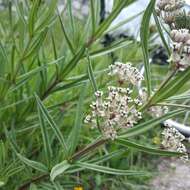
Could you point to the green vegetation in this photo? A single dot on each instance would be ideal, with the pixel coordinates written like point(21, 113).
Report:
point(50, 65)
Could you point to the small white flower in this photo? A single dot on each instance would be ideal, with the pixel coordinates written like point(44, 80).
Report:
point(88, 119)
point(126, 72)
point(138, 102)
point(116, 111)
point(172, 140)
point(98, 94)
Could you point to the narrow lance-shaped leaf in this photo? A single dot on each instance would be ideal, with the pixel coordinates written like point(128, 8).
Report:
point(143, 127)
point(113, 47)
point(55, 54)
point(13, 144)
point(72, 64)
point(160, 31)
point(47, 17)
point(52, 123)
point(69, 43)
point(32, 16)
point(33, 164)
point(93, 16)
point(14, 171)
point(3, 53)
point(20, 12)
point(2, 153)
point(69, 3)
point(144, 34)
point(75, 132)
point(37, 70)
point(59, 169)
point(123, 22)
point(108, 156)
point(108, 170)
point(106, 23)
point(35, 44)
point(172, 87)
point(150, 150)
point(90, 73)
point(45, 136)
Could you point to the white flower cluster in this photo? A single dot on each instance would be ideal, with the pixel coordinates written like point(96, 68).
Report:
point(154, 111)
point(172, 140)
point(126, 72)
point(169, 9)
point(181, 48)
point(115, 112)
point(158, 111)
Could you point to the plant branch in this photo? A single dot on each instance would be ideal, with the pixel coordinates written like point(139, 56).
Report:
point(34, 180)
point(163, 84)
point(89, 148)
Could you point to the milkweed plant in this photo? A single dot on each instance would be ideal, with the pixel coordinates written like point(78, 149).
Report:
point(76, 112)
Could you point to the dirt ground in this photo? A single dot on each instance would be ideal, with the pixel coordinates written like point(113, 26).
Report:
point(173, 175)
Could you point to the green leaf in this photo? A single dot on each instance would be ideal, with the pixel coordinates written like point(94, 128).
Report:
point(59, 169)
point(69, 43)
point(143, 127)
point(12, 142)
point(20, 11)
point(106, 23)
point(35, 44)
point(45, 136)
point(14, 171)
point(32, 16)
point(123, 22)
point(112, 48)
point(47, 17)
point(33, 164)
point(160, 31)
point(108, 156)
point(172, 87)
point(51, 123)
point(93, 15)
point(79, 80)
point(69, 3)
point(32, 72)
point(3, 53)
point(108, 170)
point(91, 74)
point(184, 96)
point(150, 150)
point(144, 34)
point(2, 153)
point(72, 64)
point(75, 132)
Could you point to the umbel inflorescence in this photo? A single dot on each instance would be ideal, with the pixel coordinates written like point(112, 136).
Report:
point(172, 140)
point(172, 12)
point(116, 109)
point(168, 10)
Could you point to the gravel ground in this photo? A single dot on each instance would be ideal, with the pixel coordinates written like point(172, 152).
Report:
point(173, 175)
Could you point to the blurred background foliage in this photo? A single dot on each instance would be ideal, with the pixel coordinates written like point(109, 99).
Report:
point(44, 58)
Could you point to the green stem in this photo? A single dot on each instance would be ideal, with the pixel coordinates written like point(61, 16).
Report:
point(87, 149)
point(163, 84)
